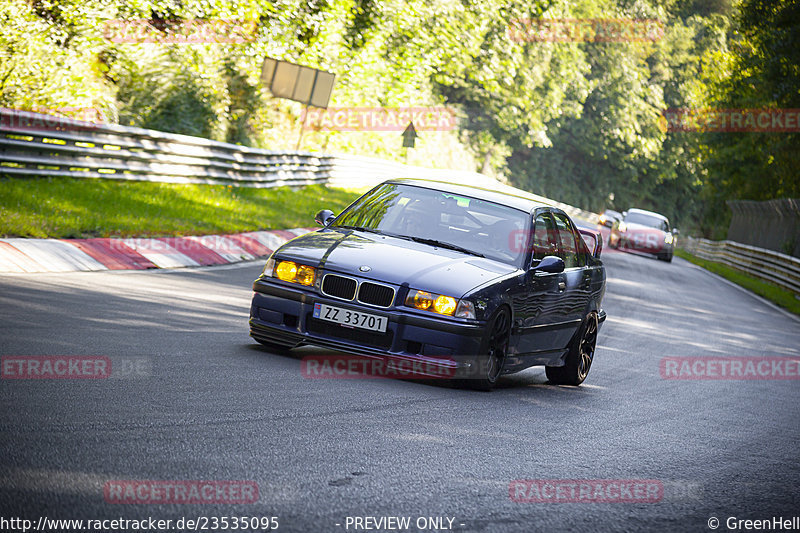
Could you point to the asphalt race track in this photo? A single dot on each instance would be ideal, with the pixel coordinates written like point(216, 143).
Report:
point(192, 397)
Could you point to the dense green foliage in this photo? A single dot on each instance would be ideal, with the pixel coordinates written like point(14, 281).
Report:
point(581, 122)
point(764, 72)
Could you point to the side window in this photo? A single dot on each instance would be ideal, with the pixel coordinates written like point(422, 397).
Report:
point(568, 247)
point(545, 240)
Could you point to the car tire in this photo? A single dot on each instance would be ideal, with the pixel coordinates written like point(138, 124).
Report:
point(490, 363)
point(580, 356)
point(666, 257)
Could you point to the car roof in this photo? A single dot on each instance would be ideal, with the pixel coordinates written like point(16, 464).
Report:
point(645, 212)
point(510, 197)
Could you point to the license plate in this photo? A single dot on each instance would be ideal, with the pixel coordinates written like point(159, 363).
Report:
point(348, 317)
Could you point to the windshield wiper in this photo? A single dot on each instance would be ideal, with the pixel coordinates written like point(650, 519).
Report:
point(359, 228)
point(376, 231)
point(449, 246)
point(432, 242)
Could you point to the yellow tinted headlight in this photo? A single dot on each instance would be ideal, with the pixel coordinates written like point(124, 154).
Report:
point(305, 275)
point(286, 271)
point(444, 305)
point(427, 301)
point(294, 273)
point(421, 299)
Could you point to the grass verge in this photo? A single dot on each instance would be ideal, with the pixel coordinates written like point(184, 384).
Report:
point(79, 208)
point(773, 293)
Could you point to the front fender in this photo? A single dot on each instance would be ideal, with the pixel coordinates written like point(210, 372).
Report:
point(490, 297)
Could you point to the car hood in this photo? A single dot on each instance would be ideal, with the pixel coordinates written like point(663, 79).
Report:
point(393, 260)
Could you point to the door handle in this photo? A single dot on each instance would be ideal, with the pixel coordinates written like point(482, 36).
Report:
point(561, 286)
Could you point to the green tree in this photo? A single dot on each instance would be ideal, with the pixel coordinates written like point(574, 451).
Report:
point(764, 73)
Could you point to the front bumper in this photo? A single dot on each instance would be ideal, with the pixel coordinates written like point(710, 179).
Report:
point(283, 316)
point(660, 248)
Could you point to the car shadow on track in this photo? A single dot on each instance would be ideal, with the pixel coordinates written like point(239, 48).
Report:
point(531, 379)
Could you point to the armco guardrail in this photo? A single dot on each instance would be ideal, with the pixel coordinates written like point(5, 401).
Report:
point(33, 144)
point(775, 267)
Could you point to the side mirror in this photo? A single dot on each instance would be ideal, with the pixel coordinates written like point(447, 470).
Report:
point(550, 264)
point(593, 241)
point(324, 217)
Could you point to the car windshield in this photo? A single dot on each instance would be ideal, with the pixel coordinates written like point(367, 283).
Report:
point(647, 220)
point(438, 218)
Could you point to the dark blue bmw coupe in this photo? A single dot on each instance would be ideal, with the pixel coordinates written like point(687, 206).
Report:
point(474, 283)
